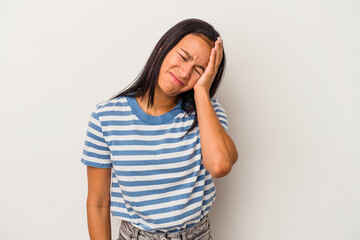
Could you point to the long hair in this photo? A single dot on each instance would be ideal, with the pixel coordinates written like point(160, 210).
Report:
point(148, 77)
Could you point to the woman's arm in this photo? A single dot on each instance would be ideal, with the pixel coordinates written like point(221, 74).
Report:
point(98, 203)
point(217, 148)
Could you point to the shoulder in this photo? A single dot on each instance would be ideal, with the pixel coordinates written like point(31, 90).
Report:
point(111, 103)
point(220, 111)
point(216, 103)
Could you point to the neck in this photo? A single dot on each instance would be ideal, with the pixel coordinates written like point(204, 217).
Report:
point(162, 103)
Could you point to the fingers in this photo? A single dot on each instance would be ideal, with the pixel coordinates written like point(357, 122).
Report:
point(212, 59)
point(219, 51)
point(215, 56)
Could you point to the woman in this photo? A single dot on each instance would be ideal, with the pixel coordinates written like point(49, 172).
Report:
point(145, 142)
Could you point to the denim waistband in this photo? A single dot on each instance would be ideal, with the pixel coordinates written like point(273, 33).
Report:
point(202, 228)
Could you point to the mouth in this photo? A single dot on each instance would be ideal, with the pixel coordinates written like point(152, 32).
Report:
point(176, 80)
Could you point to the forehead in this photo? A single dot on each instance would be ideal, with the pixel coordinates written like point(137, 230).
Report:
point(197, 46)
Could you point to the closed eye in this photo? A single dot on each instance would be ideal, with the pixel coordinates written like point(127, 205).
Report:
point(182, 57)
point(186, 60)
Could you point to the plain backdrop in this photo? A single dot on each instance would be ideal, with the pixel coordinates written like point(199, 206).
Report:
point(291, 94)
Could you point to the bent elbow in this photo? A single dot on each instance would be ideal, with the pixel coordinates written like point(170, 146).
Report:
point(221, 170)
point(235, 157)
point(221, 165)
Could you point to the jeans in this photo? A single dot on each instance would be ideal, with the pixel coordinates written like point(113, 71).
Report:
point(200, 231)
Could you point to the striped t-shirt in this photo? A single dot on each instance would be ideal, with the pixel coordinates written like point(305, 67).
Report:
point(159, 183)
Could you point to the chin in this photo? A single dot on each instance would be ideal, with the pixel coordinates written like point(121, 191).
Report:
point(170, 90)
point(172, 94)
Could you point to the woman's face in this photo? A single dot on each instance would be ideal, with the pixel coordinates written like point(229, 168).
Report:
point(183, 65)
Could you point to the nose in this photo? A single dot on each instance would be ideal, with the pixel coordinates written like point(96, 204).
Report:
point(185, 71)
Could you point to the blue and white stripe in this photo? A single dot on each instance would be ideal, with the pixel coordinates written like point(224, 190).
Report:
point(159, 183)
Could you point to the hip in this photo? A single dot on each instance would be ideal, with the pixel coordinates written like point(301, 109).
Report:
point(200, 231)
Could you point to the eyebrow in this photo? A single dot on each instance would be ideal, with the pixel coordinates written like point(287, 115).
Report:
point(191, 58)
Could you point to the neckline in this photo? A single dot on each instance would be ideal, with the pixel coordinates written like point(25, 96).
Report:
point(147, 118)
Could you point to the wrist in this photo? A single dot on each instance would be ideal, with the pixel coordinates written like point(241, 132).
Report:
point(202, 92)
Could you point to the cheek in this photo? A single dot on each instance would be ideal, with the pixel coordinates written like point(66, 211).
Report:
point(194, 79)
point(171, 59)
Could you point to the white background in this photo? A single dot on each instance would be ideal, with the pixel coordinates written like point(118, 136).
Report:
point(291, 93)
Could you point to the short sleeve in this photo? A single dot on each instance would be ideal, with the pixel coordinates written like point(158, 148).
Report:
point(96, 152)
point(220, 112)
